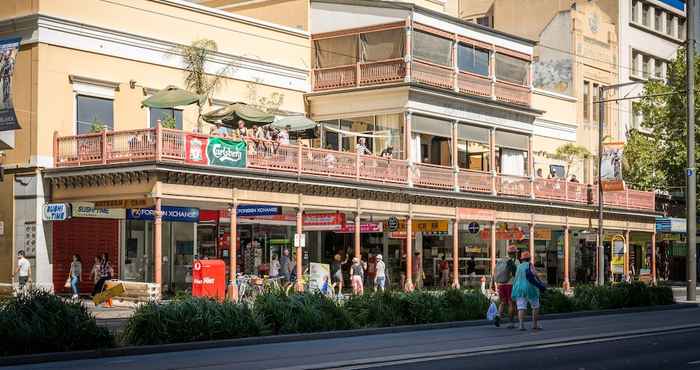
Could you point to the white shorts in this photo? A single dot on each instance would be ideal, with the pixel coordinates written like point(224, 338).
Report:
point(522, 302)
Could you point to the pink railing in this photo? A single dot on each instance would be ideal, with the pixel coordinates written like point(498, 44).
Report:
point(512, 93)
point(470, 83)
point(169, 145)
point(335, 77)
point(432, 74)
point(385, 71)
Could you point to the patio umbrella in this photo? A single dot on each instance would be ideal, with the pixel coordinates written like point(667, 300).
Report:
point(231, 113)
point(170, 97)
point(296, 123)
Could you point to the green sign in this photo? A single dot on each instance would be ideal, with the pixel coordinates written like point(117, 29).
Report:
point(226, 153)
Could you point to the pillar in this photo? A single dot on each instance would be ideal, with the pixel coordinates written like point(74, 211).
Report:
point(531, 246)
point(492, 160)
point(455, 253)
point(653, 258)
point(455, 153)
point(232, 251)
point(158, 243)
point(409, 254)
point(358, 250)
point(627, 255)
point(566, 285)
point(299, 251)
point(493, 247)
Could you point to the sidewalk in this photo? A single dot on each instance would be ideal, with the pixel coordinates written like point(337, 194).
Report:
point(679, 294)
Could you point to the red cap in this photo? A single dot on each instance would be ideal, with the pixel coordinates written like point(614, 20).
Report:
point(525, 255)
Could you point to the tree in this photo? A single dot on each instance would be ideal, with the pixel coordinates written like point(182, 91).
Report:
point(197, 80)
point(569, 153)
point(640, 163)
point(665, 116)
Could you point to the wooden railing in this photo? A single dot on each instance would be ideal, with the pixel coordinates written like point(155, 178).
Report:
point(373, 73)
point(335, 77)
point(474, 84)
point(432, 74)
point(271, 157)
point(512, 93)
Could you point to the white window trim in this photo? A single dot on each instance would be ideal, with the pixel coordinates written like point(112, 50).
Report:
point(93, 87)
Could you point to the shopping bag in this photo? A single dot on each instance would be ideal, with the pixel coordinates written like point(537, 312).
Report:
point(492, 312)
point(67, 284)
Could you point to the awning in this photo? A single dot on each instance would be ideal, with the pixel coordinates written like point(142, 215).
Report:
point(232, 113)
point(296, 123)
point(170, 97)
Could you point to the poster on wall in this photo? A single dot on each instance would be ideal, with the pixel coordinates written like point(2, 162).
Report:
point(320, 275)
point(611, 168)
point(226, 153)
point(8, 55)
point(195, 149)
point(617, 263)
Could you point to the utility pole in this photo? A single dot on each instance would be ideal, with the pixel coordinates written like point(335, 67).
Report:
point(691, 171)
point(600, 246)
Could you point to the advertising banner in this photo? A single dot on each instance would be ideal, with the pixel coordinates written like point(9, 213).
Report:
point(8, 54)
point(514, 234)
point(611, 167)
point(195, 149)
point(56, 212)
point(226, 153)
point(173, 214)
point(369, 227)
point(89, 210)
point(251, 210)
point(209, 279)
point(319, 277)
point(323, 221)
point(124, 203)
point(617, 263)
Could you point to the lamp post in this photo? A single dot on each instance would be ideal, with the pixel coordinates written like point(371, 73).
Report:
point(691, 184)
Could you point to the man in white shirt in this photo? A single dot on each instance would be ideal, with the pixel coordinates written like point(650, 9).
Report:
point(380, 277)
point(23, 271)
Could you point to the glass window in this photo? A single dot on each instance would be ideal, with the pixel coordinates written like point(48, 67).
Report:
point(512, 69)
point(658, 14)
point(473, 59)
point(646, 60)
point(330, 139)
point(556, 170)
point(635, 5)
point(92, 113)
point(658, 68)
point(586, 100)
point(512, 140)
point(432, 139)
point(596, 111)
point(382, 45)
point(389, 134)
point(635, 66)
point(681, 29)
point(473, 147)
point(432, 48)
point(646, 16)
point(168, 117)
point(335, 52)
point(669, 24)
point(484, 21)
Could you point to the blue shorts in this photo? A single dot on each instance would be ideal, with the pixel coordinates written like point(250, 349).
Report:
point(381, 280)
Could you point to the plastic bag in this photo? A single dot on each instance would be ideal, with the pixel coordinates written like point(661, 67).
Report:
point(492, 312)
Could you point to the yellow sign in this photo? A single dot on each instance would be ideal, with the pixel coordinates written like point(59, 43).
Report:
point(670, 237)
point(124, 203)
point(426, 226)
point(543, 234)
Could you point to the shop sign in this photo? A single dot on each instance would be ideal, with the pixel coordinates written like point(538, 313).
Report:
point(195, 149)
point(226, 153)
point(124, 203)
point(209, 279)
point(56, 212)
point(515, 234)
point(671, 225)
point(400, 235)
point(251, 210)
point(543, 234)
point(393, 223)
point(319, 277)
point(670, 237)
point(300, 240)
point(617, 263)
point(429, 227)
point(89, 210)
point(476, 214)
point(368, 227)
point(323, 221)
point(173, 214)
point(473, 227)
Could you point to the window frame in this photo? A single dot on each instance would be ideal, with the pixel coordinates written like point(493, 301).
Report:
point(586, 97)
point(489, 67)
point(182, 117)
point(76, 123)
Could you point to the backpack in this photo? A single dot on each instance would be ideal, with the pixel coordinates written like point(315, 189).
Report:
point(503, 271)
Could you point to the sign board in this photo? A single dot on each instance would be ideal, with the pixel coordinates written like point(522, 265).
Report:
point(514, 234)
point(477, 214)
point(300, 240)
point(56, 212)
point(226, 153)
point(671, 225)
point(617, 263)
point(392, 223)
point(209, 279)
point(544, 234)
point(473, 227)
point(669, 237)
point(368, 227)
point(89, 210)
point(611, 167)
point(323, 221)
point(9, 48)
point(428, 227)
point(319, 277)
point(124, 203)
point(196, 149)
point(173, 214)
point(251, 210)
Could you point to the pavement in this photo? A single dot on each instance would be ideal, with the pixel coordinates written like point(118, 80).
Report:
point(643, 340)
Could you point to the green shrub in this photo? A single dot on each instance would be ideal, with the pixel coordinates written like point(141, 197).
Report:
point(423, 307)
point(555, 301)
point(190, 319)
point(465, 305)
point(380, 309)
point(39, 321)
point(301, 313)
point(590, 297)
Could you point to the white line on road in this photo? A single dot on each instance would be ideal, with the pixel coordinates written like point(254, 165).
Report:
point(694, 362)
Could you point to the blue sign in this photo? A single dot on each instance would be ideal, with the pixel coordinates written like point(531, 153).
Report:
point(56, 212)
point(678, 4)
point(252, 210)
point(473, 227)
point(174, 214)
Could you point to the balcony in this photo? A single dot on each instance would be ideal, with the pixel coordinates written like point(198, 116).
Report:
point(168, 145)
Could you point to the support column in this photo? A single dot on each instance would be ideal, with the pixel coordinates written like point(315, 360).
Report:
point(409, 254)
point(299, 251)
point(408, 148)
point(531, 244)
point(566, 284)
point(158, 243)
point(627, 256)
point(233, 246)
point(455, 253)
point(493, 247)
point(455, 154)
point(653, 258)
point(492, 160)
point(358, 249)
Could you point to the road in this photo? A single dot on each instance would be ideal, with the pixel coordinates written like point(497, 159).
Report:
point(650, 340)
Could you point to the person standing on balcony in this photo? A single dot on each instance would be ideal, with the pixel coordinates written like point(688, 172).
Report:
point(241, 131)
point(540, 175)
point(283, 136)
point(574, 179)
point(361, 147)
point(388, 153)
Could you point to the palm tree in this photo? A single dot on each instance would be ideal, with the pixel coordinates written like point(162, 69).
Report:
point(569, 153)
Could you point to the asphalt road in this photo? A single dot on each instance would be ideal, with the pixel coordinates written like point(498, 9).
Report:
point(650, 340)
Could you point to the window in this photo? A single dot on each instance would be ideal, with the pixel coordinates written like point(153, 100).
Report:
point(484, 21)
point(586, 100)
point(335, 52)
point(681, 29)
point(556, 171)
point(168, 117)
point(646, 61)
point(432, 48)
point(669, 24)
point(473, 147)
point(635, 6)
point(93, 112)
point(596, 112)
point(382, 45)
point(512, 152)
point(512, 69)
point(635, 65)
point(658, 14)
point(472, 59)
point(646, 15)
point(658, 68)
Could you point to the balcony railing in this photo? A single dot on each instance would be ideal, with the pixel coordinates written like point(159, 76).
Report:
point(270, 157)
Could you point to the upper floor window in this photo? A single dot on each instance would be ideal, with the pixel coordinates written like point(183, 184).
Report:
point(596, 97)
point(658, 14)
point(511, 69)
point(484, 21)
point(681, 29)
point(586, 100)
point(168, 117)
point(658, 68)
point(646, 60)
point(473, 59)
point(646, 15)
point(432, 48)
point(635, 6)
point(669, 24)
point(336, 51)
point(93, 114)
point(382, 45)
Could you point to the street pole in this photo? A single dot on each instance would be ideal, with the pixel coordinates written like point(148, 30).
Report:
point(691, 171)
point(601, 249)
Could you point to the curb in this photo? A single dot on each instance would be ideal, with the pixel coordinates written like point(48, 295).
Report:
point(190, 346)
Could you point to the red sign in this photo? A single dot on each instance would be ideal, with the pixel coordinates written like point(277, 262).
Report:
point(514, 234)
point(325, 221)
point(196, 149)
point(370, 227)
point(208, 216)
point(209, 279)
point(476, 214)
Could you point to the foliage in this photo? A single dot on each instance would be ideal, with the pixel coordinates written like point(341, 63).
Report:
point(590, 297)
point(97, 126)
point(555, 301)
point(190, 319)
point(301, 313)
point(39, 321)
point(168, 121)
point(665, 116)
point(640, 164)
point(569, 153)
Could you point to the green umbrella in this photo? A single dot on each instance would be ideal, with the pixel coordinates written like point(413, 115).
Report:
point(170, 97)
point(231, 113)
point(295, 123)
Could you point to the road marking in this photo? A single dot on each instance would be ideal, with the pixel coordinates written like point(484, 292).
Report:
point(694, 362)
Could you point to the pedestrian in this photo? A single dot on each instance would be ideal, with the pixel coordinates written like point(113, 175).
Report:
point(402, 273)
point(471, 266)
point(380, 277)
point(337, 271)
point(503, 277)
point(105, 274)
point(371, 270)
point(95, 271)
point(286, 266)
point(417, 271)
point(274, 267)
point(23, 271)
point(357, 275)
point(526, 289)
point(76, 270)
point(361, 147)
point(444, 272)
